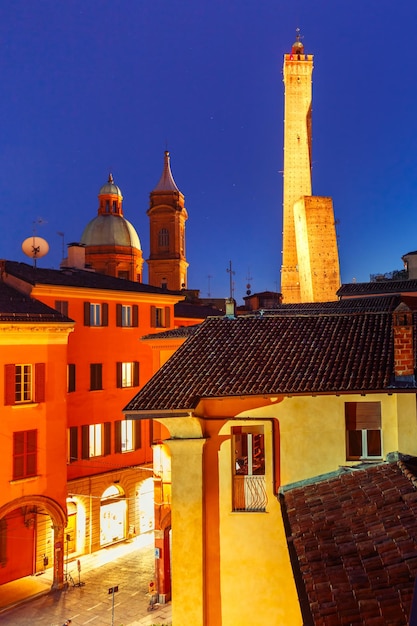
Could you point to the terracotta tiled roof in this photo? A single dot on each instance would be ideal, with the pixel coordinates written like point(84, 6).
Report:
point(355, 543)
point(307, 350)
point(377, 287)
point(192, 310)
point(78, 278)
point(182, 332)
point(16, 307)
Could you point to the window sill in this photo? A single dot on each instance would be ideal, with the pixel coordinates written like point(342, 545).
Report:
point(24, 479)
point(25, 405)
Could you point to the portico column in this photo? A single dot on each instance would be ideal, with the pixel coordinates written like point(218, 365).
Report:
point(58, 581)
point(187, 530)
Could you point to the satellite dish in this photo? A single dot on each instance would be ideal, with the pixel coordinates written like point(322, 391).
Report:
point(35, 248)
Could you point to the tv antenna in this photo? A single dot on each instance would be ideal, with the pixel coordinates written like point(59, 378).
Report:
point(231, 274)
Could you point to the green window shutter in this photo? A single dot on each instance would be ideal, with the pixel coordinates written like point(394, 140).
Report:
point(118, 375)
point(73, 444)
point(135, 315)
point(40, 380)
point(85, 442)
point(167, 317)
point(118, 314)
point(9, 384)
point(87, 314)
point(117, 436)
point(104, 314)
point(136, 374)
point(107, 438)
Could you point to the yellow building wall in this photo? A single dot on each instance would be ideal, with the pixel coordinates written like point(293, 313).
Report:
point(312, 431)
point(250, 561)
point(257, 584)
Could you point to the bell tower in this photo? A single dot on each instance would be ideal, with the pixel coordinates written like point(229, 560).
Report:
point(167, 265)
point(310, 260)
point(298, 71)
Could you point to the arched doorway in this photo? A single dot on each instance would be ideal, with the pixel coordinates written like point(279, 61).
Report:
point(113, 509)
point(32, 532)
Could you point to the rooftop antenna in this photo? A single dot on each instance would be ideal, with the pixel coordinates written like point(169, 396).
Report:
point(35, 247)
point(209, 277)
point(248, 285)
point(231, 274)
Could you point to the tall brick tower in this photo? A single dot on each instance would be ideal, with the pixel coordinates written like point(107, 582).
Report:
point(310, 261)
point(167, 265)
point(298, 70)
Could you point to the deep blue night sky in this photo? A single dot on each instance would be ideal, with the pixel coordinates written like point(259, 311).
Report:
point(99, 86)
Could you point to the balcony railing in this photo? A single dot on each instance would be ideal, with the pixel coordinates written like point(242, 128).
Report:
point(249, 493)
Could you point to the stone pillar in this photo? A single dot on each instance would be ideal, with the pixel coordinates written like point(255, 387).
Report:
point(58, 581)
point(187, 530)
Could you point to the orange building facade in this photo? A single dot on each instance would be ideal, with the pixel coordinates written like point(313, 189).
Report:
point(33, 470)
point(105, 480)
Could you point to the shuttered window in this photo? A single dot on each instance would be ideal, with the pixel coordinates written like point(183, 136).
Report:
point(72, 444)
point(24, 383)
point(363, 430)
point(25, 450)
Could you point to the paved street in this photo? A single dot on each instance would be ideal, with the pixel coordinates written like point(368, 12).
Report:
point(130, 566)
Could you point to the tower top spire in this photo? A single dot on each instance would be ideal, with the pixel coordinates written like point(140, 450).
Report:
point(297, 47)
point(166, 182)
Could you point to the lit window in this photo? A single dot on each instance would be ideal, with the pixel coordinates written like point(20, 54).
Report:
point(249, 490)
point(95, 440)
point(95, 314)
point(23, 384)
point(127, 374)
point(126, 435)
point(126, 315)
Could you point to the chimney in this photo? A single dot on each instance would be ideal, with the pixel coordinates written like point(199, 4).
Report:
point(76, 256)
point(403, 344)
point(230, 308)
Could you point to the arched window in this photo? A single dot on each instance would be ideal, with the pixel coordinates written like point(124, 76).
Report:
point(163, 238)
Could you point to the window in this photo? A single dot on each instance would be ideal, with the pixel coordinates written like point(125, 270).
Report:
point(23, 386)
point(363, 430)
point(163, 238)
point(96, 314)
point(62, 307)
point(127, 435)
point(24, 454)
point(127, 374)
point(160, 317)
point(24, 383)
point(96, 439)
point(71, 377)
point(249, 491)
point(127, 315)
point(96, 376)
point(72, 444)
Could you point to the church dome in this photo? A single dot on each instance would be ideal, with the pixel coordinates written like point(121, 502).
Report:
point(110, 188)
point(110, 230)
